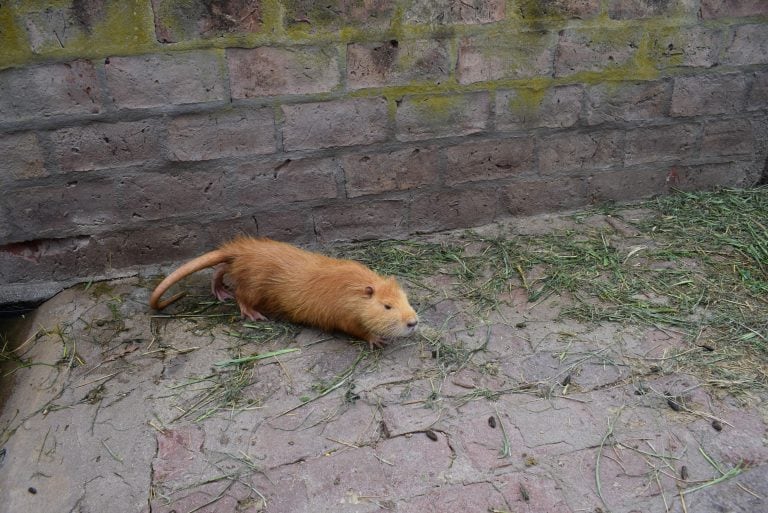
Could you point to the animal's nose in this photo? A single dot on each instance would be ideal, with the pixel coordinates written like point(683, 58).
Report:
point(412, 323)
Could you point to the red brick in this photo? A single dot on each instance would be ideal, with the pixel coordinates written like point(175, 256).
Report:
point(627, 185)
point(335, 123)
point(360, 221)
point(270, 71)
point(712, 176)
point(62, 28)
point(52, 90)
point(425, 117)
point(627, 102)
point(692, 47)
point(396, 63)
point(729, 137)
point(513, 56)
point(488, 160)
point(437, 12)
point(628, 9)
point(183, 21)
point(61, 210)
point(550, 195)
point(160, 79)
point(312, 16)
point(172, 193)
point(107, 145)
point(558, 107)
point(583, 50)
point(758, 93)
point(749, 46)
point(397, 170)
point(708, 94)
point(49, 259)
point(22, 157)
point(729, 8)
point(578, 9)
point(575, 151)
point(259, 186)
point(659, 144)
point(222, 134)
point(452, 209)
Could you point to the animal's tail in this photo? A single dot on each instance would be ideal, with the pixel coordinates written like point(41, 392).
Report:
point(207, 260)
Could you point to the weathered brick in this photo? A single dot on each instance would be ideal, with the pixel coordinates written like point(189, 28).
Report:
point(335, 123)
point(57, 211)
point(22, 157)
point(575, 151)
point(270, 71)
point(174, 193)
point(579, 9)
point(50, 259)
point(182, 21)
point(454, 11)
point(758, 94)
point(360, 221)
point(395, 63)
point(160, 79)
point(512, 56)
point(262, 185)
point(581, 50)
point(72, 28)
point(692, 47)
point(453, 209)
point(222, 134)
point(660, 143)
point(152, 243)
point(627, 102)
point(625, 185)
point(711, 176)
point(397, 170)
point(12, 39)
point(286, 225)
point(44, 91)
point(535, 197)
point(556, 107)
point(425, 117)
point(727, 137)
point(708, 94)
point(314, 16)
point(729, 8)
point(749, 46)
point(627, 9)
point(107, 145)
point(489, 160)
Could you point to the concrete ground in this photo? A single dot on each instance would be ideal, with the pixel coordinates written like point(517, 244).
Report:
point(113, 408)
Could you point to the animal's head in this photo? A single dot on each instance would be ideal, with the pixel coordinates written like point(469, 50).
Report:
point(387, 311)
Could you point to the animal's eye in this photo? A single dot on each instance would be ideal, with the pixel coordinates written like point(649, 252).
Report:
point(388, 307)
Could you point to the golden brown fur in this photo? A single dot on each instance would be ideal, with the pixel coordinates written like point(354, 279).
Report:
point(276, 279)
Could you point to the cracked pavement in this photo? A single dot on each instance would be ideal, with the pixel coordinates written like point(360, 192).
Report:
point(120, 411)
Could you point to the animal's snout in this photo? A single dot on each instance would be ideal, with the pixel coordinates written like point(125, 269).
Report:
point(412, 323)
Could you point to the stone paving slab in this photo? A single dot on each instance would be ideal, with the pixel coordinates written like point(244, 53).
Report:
point(122, 411)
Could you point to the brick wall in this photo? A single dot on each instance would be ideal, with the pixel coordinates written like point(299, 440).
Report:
point(136, 132)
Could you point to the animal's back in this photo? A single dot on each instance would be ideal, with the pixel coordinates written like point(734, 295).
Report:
point(283, 280)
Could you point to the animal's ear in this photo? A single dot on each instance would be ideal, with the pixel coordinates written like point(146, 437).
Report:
point(369, 291)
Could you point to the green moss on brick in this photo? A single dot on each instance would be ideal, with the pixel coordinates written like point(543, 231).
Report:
point(117, 28)
point(12, 41)
point(527, 99)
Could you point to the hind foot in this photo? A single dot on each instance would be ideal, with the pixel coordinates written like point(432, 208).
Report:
point(218, 288)
point(251, 313)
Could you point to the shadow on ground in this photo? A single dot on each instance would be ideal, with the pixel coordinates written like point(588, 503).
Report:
point(509, 400)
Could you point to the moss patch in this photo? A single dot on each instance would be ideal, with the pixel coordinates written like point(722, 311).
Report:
point(12, 42)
